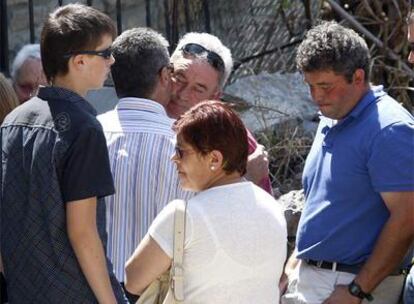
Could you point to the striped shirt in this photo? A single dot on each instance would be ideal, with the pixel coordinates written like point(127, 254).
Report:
point(140, 144)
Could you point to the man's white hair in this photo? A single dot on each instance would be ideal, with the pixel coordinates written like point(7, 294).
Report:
point(26, 52)
point(211, 43)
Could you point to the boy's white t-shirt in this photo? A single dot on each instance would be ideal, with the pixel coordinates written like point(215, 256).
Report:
point(235, 244)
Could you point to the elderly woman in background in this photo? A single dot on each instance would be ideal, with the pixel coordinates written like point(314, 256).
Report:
point(235, 235)
point(8, 98)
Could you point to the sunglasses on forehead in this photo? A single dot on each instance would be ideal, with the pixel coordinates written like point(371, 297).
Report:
point(213, 58)
point(106, 54)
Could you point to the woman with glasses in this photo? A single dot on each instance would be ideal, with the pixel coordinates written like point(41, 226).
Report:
point(235, 233)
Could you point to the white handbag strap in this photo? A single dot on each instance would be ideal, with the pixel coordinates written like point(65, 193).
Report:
point(177, 263)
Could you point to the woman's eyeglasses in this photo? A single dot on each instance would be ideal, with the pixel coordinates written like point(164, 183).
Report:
point(213, 58)
point(181, 152)
point(106, 54)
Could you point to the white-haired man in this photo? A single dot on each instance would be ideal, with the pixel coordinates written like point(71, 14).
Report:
point(202, 65)
point(27, 72)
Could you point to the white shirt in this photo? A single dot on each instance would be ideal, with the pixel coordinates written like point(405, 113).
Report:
point(140, 144)
point(235, 245)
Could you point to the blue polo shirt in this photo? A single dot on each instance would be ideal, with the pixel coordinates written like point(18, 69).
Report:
point(350, 163)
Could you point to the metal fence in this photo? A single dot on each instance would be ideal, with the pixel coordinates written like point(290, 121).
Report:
point(171, 22)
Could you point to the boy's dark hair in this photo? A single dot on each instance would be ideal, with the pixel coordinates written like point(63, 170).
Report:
point(71, 28)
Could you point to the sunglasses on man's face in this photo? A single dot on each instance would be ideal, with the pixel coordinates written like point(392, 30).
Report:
point(106, 54)
point(213, 58)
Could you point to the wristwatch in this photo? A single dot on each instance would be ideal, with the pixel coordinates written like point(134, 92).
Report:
point(355, 290)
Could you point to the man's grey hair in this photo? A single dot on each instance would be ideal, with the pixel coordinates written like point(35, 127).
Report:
point(140, 54)
point(331, 46)
point(26, 52)
point(211, 43)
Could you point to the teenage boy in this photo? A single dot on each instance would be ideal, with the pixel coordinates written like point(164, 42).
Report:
point(55, 171)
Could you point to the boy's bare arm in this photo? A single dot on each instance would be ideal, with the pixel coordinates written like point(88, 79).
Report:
point(88, 248)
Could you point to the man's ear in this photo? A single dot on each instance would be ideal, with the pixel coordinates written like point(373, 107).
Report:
point(217, 95)
point(359, 76)
point(165, 76)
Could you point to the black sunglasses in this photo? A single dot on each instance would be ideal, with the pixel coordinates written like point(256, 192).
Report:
point(213, 58)
point(106, 54)
point(181, 152)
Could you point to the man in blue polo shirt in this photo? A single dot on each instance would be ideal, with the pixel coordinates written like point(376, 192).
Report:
point(357, 224)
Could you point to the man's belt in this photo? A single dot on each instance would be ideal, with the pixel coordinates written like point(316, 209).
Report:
point(347, 268)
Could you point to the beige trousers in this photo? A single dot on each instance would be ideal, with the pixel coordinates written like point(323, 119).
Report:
point(312, 285)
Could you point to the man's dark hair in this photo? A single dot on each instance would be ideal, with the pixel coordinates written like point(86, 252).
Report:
point(140, 54)
point(330, 46)
point(71, 28)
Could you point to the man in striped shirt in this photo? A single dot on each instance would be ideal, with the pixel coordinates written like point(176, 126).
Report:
point(202, 65)
point(140, 141)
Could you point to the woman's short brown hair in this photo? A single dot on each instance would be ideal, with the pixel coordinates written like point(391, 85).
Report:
point(212, 125)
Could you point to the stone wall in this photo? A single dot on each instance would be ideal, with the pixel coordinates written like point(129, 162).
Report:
point(247, 27)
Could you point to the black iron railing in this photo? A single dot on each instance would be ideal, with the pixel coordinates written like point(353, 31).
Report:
point(170, 13)
point(4, 39)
